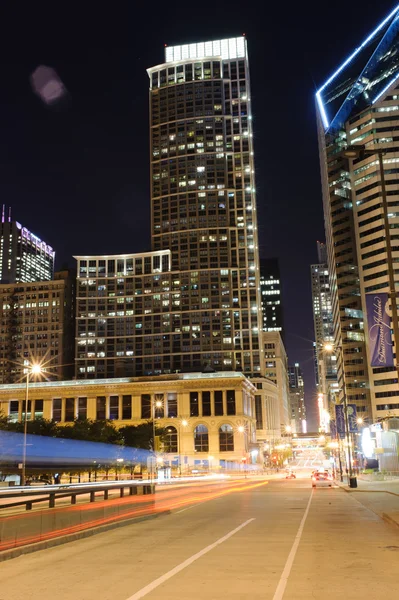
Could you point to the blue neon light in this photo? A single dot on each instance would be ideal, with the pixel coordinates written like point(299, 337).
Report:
point(322, 110)
point(346, 62)
point(385, 88)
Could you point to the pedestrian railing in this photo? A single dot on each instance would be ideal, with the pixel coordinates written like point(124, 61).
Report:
point(72, 492)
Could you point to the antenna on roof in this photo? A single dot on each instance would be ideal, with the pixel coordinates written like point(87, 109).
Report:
point(9, 214)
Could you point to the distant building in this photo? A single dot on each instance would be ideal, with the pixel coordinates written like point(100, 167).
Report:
point(23, 256)
point(325, 361)
point(276, 369)
point(270, 288)
point(37, 325)
point(297, 399)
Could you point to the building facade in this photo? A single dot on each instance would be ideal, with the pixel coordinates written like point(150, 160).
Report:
point(37, 326)
point(203, 199)
point(276, 370)
point(128, 317)
point(270, 288)
point(210, 418)
point(358, 107)
point(297, 400)
point(326, 361)
point(24, 257)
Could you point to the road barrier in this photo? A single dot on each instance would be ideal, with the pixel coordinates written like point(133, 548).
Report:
point(73, 491)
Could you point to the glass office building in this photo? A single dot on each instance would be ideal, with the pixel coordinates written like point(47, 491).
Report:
point(203, 205)
point(358, 117)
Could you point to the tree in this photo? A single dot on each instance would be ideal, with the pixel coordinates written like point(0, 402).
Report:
point(91, 431)
point(140, 436)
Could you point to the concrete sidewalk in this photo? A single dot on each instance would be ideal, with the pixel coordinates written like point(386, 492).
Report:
point(381, 497)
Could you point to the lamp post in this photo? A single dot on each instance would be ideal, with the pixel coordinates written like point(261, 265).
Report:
point(242, 429)
point(34, 369)
point(155, 404)
point(352, 478)
point(183, 423)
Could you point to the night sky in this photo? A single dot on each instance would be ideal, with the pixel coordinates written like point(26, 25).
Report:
point(78, 176)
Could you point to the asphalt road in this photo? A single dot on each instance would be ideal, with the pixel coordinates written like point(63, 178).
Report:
point(277, 540)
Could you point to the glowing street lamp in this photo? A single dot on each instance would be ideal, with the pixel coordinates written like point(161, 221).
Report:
point(242, 429)
point(155, 404)
point(33, 370)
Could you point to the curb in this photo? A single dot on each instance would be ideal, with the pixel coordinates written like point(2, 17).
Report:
point(65, 539)
point(389, 519)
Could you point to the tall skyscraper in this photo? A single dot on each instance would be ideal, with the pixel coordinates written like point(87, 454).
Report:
point(358, 114)
point(270, 289)
point(23, 256)
point(326, 362)
point(203, 205)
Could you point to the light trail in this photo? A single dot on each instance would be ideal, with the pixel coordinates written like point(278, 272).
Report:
point(163, 505)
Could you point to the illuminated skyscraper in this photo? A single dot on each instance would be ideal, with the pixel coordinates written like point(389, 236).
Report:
point(23, 256)
point(203, 205)
point(270, 287)
point(358, 117)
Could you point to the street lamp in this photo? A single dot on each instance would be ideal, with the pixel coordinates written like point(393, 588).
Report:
point(33, 369)
point(155, 404)
point(183, 423)
point(242, 429)
point(352, 478)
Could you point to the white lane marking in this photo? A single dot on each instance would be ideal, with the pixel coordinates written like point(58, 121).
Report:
point(279, 593)
point(157, 582)
point(188, 508)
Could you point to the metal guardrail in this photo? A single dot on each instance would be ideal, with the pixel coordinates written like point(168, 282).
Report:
point(52, 495)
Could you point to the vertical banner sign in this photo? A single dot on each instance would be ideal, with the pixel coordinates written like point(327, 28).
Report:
point(352, 418)
point(340, 420)
point(379, 330)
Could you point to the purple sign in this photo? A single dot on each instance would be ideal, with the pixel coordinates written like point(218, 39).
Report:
point(352, 418)
point(340, 420)
point(379, 329)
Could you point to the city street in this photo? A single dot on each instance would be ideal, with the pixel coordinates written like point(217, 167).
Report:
point(277, 540)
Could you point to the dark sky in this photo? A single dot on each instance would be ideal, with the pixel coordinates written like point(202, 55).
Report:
point(79, 176)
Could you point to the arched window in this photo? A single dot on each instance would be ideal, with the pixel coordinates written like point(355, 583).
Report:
point(201, 439)
point(226, 438)
point(170, 440)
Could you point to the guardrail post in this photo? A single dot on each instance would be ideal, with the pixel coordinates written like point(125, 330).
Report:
point(51, 502)
point(73, 499)
point(92, 496)
point(105, 494)
point(122, 492)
